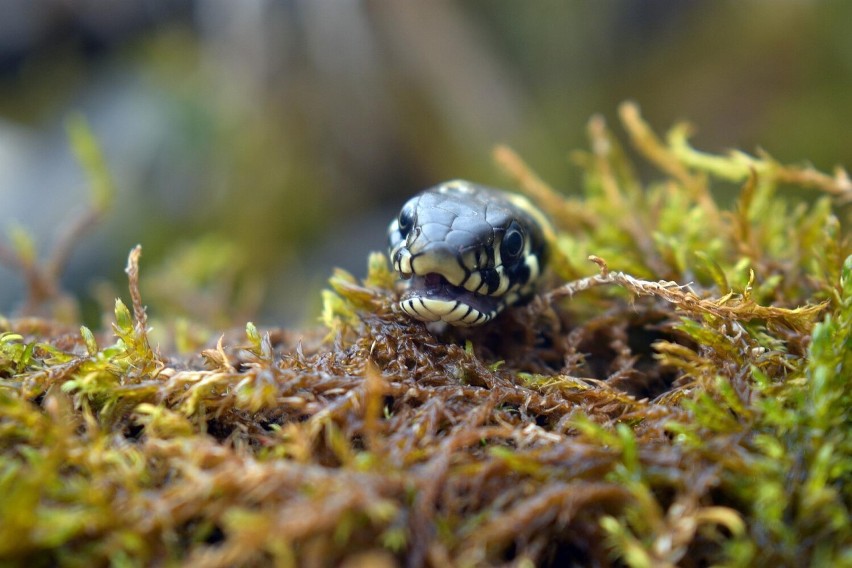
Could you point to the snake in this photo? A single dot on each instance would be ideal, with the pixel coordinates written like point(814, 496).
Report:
point(465, 252)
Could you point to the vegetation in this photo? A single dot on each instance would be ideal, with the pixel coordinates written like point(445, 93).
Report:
point(681, 400)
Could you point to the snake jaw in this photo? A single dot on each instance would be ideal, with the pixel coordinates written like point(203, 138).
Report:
point(439, 287)
point(432, 298)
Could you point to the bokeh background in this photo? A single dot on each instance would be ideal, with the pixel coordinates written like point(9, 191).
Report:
point(256, 144)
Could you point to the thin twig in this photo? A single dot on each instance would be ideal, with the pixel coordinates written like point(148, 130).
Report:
point(132, 271)
point(55, 266)
point(9, 258)
point(731, 307)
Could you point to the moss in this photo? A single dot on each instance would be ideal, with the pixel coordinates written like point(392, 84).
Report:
point(681, 400)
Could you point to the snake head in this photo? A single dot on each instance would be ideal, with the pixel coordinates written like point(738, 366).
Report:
point(466, 251)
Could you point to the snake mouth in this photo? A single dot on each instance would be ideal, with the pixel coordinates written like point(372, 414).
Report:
point(432, 298)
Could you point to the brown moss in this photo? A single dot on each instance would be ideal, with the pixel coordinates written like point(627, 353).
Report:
point(682, 403)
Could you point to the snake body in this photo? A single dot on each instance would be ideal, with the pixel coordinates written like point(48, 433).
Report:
point(467, 252)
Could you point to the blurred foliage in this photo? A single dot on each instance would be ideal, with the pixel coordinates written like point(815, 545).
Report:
point(45, 293)
point(219, 117)
point(687, 406)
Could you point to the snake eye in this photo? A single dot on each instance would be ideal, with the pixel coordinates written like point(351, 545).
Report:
point(513, 243)
point(406, 219)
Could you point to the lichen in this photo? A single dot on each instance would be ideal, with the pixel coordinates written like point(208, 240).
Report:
point(681, 400)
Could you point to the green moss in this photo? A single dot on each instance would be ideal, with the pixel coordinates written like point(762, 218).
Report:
point(681, 400)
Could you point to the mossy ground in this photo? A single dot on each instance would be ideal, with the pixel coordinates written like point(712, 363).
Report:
point(683, 402)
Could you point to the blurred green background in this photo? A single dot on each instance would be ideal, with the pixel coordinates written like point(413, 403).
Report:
point(257, 144)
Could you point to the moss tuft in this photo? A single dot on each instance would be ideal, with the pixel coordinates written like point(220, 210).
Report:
point(683, 399)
